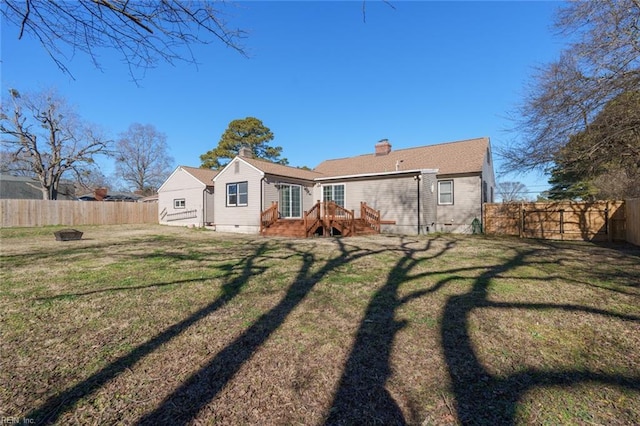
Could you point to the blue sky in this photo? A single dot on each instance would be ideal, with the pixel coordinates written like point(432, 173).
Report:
point(326, 83)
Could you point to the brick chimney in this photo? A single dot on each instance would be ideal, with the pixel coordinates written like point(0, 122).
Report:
point(99, 193)
point(245, 152)
point(383, 147)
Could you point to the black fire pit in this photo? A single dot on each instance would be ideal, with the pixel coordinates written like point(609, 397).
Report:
point(68, 235)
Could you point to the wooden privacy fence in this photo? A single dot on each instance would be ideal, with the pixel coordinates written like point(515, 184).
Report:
point(589, 221)
point(632, 216)
point(23, 213)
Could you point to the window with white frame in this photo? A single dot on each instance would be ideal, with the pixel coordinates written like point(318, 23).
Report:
point(445, 192)
point(179, 203)
point(333, 193)
point(237, 194)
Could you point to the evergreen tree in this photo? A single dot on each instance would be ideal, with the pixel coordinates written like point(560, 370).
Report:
point(248, 133)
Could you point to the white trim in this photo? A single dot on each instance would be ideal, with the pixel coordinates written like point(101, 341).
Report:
point(440, 203)
point(180, 168)
point(344, 191)
point(237, 194)
point(400, 172)
point(175, 204)
point(236, 159)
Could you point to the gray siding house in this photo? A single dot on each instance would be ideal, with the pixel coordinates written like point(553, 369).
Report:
point(434, 188)
point(186, 198)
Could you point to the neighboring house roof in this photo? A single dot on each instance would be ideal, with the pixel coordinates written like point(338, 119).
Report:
point(22, 187)
point(449, 158)
point(203, 175)
point(280, 170)
point(112, 196)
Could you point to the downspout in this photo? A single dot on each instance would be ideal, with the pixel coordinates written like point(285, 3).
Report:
point(417, 178)
point(261, 194)
point(481, 200)
point(204, 206)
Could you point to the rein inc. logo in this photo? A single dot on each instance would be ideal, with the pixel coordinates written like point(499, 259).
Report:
point(11, 420)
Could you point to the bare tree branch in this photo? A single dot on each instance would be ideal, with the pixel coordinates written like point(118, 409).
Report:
point(602, 62)
point(45, 137)
point(142, 159)
point(144, 32)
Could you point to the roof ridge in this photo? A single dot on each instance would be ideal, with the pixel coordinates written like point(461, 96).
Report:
point(261, 160)
point(197, 168)
point(407, 149)
point(462, 156)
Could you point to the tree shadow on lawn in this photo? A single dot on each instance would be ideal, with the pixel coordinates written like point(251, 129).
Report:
point(228, 273)
point(66, 296)
point(616, 260)
point(483, 398)
point(54, 407)
point(58, 252)
point(361, 396)
point(197, 391)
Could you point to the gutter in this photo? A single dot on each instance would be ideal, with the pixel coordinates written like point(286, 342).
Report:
point(374, 174)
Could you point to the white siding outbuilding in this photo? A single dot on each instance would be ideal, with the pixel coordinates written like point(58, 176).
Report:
point(186, 198)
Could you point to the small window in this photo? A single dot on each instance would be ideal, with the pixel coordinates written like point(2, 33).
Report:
point(445, 192)
point(484, 192)
point(179, 203)
point(237, 194)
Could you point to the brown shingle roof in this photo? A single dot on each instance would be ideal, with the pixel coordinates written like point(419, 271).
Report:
point(203, 175)
point(280, 170)
point(449, 158)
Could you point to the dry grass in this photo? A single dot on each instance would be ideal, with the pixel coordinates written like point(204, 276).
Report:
point(151, 325)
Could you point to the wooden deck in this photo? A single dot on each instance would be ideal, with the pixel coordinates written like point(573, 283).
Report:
point(323, 219)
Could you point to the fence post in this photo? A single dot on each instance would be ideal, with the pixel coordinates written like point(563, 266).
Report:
point(484, 218)
point(521, 213)
point(607, 224)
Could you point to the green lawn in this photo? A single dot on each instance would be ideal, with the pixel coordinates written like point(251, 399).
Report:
point(157, 325)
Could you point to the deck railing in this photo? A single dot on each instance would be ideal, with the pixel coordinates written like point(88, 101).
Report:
point(312, 218)
point(269, 216)
point(329, 215)
point(336, 215)
point(370, 216)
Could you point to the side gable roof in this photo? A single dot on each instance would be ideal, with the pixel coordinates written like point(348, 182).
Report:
point(203, 175)
point(449, 158)
point(280, 170)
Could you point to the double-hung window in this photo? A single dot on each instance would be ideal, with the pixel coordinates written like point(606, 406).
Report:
point(237, 194)
point(445, 192)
